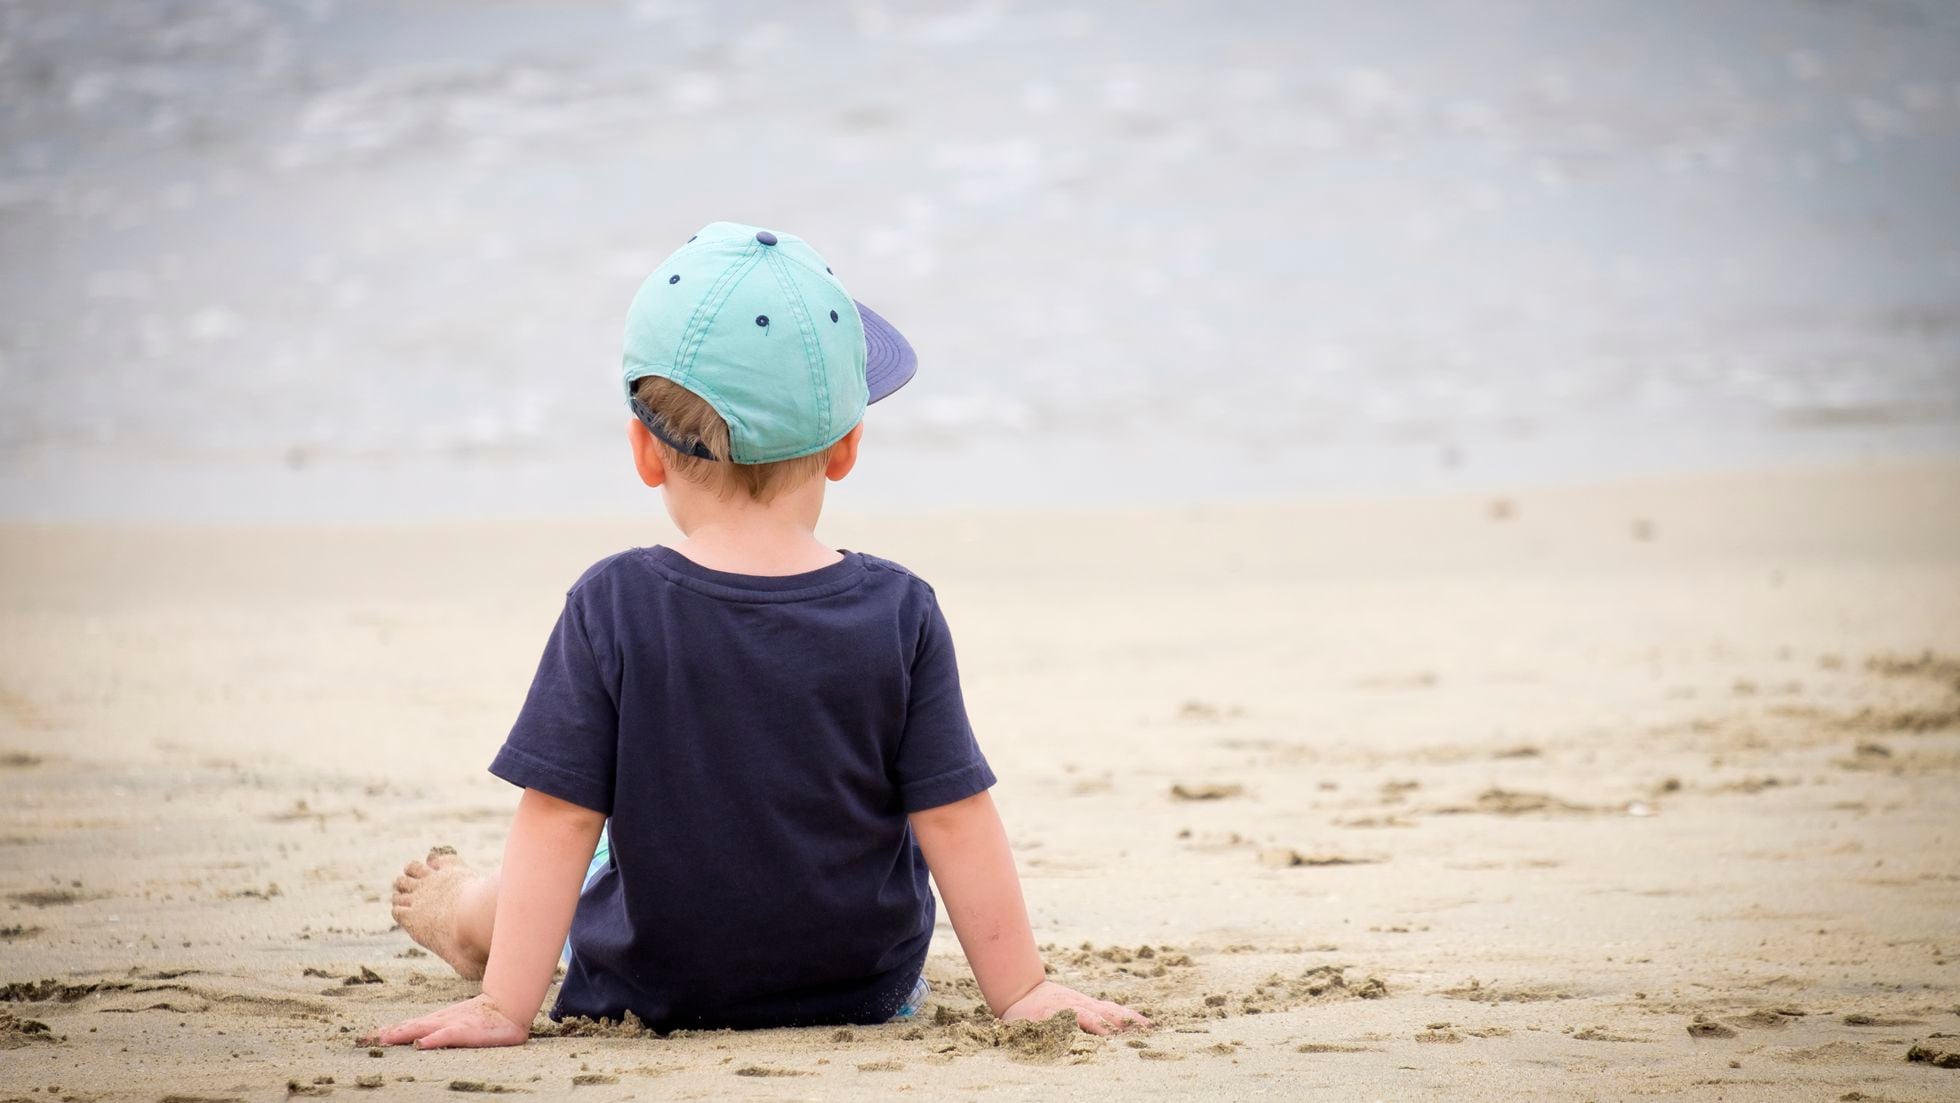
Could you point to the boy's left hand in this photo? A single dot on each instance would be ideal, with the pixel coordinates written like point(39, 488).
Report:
point(1093, 1015)
point(474, 1023)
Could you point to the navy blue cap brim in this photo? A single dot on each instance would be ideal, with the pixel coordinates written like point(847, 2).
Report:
point(889, 362)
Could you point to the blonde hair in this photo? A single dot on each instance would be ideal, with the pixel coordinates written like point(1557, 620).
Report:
point(686, 416)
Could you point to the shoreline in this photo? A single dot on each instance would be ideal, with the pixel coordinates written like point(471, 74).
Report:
point(912, 472)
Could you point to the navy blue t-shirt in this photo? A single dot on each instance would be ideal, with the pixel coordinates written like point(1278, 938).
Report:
point(757, 742)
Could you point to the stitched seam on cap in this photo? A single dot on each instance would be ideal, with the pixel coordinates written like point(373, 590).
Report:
point(696, 333)
point(812, 350)
point(815, 270)
point(718, 295)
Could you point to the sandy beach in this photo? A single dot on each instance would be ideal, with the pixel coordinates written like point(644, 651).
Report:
point(1594, 792)
point(1450, 516)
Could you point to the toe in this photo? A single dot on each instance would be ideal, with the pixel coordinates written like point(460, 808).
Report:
point(404, 883)
point(415, 869)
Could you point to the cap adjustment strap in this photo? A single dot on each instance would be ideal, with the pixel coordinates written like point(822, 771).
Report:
point(657, 425)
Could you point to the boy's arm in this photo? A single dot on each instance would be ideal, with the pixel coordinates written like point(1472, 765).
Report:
point(551, 843)
point(966, 848)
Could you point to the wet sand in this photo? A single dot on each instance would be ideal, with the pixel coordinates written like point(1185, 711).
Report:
point(1647, 788)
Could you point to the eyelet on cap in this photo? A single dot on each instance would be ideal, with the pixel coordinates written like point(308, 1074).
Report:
point(762, 320)
point(833, 315)
point(673, 279)
point(765, 237)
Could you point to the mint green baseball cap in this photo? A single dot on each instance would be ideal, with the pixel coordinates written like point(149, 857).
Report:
point(756, 323)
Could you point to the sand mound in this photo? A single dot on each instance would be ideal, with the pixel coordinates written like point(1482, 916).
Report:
point(1938, 1056)
point(1048, 1040)
point(629, 1027)
point(16, 1033)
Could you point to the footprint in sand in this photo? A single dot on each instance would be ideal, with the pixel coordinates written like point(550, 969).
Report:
point(1288, 858)
point(1206, 791)
point(51, 898)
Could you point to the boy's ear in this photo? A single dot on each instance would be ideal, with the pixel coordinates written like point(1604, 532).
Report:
point(843, 454)
point(646, 454)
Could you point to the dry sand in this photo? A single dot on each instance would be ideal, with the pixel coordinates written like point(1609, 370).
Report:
point(1645, 789)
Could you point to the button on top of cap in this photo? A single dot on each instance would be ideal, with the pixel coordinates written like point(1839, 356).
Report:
point(765, 237)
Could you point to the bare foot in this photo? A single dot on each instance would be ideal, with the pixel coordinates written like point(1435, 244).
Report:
point(426, 900)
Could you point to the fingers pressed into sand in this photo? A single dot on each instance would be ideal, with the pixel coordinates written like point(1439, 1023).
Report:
point(401, 1033)
point(1102, 1017)
point(442, 1038)
point(1125, 1018)
point(470, 1023)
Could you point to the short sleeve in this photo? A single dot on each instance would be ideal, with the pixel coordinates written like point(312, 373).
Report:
point(938, 761)
point(565, 741)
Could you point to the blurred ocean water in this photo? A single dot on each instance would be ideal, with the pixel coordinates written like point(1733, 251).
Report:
point(340, 259)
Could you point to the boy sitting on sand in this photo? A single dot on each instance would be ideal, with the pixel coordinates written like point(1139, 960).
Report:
point(741, 754)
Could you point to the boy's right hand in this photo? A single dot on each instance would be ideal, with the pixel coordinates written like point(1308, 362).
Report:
point(474, 1023)
point(1093, 1015)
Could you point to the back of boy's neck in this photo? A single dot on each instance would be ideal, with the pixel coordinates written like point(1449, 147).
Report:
point(756, 549)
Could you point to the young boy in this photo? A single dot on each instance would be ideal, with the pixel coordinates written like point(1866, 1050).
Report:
point(757, 742)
